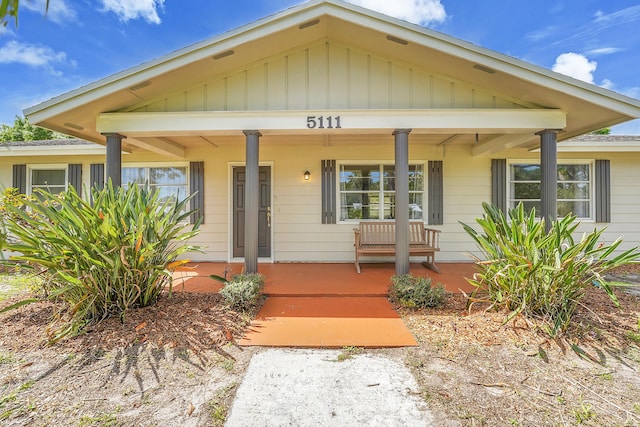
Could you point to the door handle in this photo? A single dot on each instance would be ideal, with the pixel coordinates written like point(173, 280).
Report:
point(269, 216)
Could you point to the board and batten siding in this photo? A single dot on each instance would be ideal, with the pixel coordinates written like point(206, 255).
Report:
point(326, 76)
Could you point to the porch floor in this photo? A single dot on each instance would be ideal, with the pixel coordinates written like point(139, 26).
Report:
point(320, 279)
point(324, 305)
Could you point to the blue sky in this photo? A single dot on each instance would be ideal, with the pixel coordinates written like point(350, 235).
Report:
point(81, 41)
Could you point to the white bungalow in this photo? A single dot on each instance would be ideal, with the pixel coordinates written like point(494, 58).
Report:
point(327, 114)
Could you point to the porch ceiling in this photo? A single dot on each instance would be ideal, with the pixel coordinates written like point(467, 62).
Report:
point(587, 107)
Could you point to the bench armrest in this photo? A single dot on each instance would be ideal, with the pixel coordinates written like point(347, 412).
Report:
point(356, 234)
point(432, 237)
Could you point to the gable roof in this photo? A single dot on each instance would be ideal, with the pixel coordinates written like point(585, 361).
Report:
point(588, 107)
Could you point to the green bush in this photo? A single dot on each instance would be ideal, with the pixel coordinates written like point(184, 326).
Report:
point(416, 292)
point(103, 257)
point(538, 274)
point(243, 291)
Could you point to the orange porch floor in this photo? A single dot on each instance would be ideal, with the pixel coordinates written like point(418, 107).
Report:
point(300, 279)
point(324, 305)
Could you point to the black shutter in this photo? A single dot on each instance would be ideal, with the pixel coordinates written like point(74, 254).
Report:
point(329, 214)
point(96, 172)
point(499, 183)
point(20, 178)
point(197, 187)
point(603, 191)
point(435, 193)
point(74, 172)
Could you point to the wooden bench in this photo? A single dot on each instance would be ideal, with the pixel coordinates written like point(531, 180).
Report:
point(379, 238)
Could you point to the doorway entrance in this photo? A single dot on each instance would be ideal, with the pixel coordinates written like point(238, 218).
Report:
point(264, 211)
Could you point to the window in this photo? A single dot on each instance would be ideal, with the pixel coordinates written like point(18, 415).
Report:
point(170, 181)
point(575, 187)
point(368, 192)
point(51, 178)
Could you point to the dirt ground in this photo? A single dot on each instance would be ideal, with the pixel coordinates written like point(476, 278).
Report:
point(176, 364)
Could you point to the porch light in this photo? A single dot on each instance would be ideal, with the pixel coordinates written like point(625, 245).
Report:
point(307, 175)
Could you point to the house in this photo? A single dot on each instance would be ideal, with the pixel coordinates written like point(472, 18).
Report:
point(325, 114)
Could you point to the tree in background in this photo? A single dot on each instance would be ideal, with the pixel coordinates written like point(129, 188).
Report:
point(22, 130)
point(603, 131)
point(9, 9)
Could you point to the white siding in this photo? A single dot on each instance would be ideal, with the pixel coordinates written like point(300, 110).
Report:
point(299, 235)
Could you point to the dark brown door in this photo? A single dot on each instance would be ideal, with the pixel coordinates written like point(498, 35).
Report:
point(264, 212)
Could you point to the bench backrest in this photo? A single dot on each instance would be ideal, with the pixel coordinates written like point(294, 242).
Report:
point(384, 233)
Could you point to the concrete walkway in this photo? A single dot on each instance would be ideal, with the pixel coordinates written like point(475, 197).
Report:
point(304, 387)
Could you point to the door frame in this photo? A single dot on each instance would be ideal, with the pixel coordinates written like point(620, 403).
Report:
point(230, 257)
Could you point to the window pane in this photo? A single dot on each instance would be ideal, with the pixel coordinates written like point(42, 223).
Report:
point(533, 204)
point(573, 172)
point(416, 178)
point(525, 172)
point(389, 178)
point(133, 176)
point(359, 178)
point(45, 177)
point(167, 176)
point(415, 205)
point(581, 209)
point(389, 206)
point(171, 193)
point(359, 206)
point(573, 191)
point(525, 190)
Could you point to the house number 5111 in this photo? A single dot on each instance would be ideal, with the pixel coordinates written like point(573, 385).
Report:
point(323, 122)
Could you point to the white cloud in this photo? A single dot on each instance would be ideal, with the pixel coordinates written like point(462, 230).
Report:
point(59, 11)
point(421, 12)
point(633, 92)
point(607, 84)
point(540, 34)
point(604, 51)
point(576, 66)
point(134, 9)
point(31, 55)
point(5, 31)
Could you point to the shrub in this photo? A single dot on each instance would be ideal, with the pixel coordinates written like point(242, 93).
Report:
point(104, 257)
point(243, 291)
point(416, 292)
point(538, 274)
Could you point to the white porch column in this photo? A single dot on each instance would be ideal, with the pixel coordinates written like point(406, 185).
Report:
point(113, 165)
point(251, 201)
point(549, 176)
point(402, 199)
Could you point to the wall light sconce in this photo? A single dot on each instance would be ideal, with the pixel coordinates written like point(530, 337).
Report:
point(307, 175)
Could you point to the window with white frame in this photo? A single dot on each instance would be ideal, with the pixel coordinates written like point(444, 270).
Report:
point(368, 191)
point(171, 181)
point(575, 187)
point(50, 178)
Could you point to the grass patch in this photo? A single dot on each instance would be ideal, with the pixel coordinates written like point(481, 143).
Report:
point(348, 352)
point(7, 358)
point(219, 405)
point(16, 283)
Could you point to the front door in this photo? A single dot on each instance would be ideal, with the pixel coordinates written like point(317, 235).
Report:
point(264, 212)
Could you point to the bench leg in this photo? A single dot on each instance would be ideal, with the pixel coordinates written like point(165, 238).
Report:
point(357, 262)
point(430, 263)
